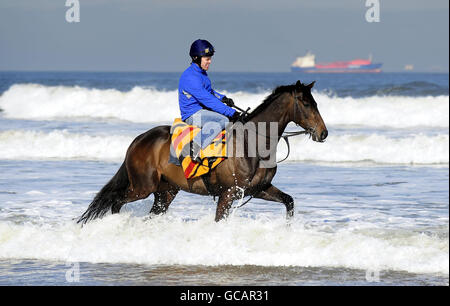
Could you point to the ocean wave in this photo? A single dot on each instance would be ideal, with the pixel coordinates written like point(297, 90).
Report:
point(39, 102)
point(33, 101)
point(16, 144)
point(236, 241)
point(414, 88)
point(413, 149)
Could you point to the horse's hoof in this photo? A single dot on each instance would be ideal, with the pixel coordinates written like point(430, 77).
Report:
point(289, 217)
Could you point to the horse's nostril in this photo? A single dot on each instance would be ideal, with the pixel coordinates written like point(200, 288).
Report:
point(324, 135)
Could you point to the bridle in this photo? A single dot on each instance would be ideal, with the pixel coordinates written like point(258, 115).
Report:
point(295, 133)
point(288, 134)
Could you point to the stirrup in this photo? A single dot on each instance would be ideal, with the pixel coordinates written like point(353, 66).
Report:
point(195, 152)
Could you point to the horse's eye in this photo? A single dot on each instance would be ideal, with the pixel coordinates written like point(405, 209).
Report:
point(306, 104)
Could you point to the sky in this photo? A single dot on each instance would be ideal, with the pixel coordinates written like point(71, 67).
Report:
point(248, 35)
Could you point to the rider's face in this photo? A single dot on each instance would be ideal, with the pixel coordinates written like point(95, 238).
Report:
point(206, 61)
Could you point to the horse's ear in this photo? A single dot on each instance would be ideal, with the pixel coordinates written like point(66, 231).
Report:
point(298, 84)
point(311, 85)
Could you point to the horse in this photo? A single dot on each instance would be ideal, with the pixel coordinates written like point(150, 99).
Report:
point(146, 169)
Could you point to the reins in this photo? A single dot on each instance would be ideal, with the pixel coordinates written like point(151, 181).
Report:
point(285, 137)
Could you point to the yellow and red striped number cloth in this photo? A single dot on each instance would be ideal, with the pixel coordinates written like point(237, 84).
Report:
point(212, 155)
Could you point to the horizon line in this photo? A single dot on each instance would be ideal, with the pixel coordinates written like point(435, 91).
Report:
point(218, 71)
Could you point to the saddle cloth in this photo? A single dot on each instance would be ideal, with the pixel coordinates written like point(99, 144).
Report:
point(182, 135)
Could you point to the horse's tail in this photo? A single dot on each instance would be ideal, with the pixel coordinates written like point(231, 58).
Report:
point(111, 196)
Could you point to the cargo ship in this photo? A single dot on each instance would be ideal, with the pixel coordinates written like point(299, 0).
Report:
point(308, 64)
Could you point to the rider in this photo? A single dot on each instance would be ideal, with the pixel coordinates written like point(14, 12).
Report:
point(200, 105)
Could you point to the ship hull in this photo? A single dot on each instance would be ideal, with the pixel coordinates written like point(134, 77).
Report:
point(372, 68)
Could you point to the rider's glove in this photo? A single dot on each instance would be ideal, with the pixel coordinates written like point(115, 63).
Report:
point(228, 101)
point(238, 116)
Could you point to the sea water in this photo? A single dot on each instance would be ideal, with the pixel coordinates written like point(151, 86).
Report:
point(371, 203)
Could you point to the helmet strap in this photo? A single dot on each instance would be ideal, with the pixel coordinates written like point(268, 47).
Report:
point(197, 60)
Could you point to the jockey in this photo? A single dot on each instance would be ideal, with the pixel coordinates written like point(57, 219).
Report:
point(200, 105)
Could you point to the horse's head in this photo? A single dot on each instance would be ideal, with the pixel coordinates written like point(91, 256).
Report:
point(305, 112)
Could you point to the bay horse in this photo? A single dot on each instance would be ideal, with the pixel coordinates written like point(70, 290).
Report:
point(146, 168)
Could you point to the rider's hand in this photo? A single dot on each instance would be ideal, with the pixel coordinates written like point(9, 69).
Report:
point(236, 116)
point(228, 101)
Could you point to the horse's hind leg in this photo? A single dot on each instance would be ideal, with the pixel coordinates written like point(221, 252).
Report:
point(163, 197)
point(272, 193)
point(143, 183)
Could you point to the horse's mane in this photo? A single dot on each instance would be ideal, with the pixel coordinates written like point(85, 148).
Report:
point(272, 97)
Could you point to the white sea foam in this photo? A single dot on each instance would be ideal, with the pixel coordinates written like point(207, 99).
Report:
point(124, 239)
point(33, 101)
point(387, 111)
point(17, 144)
point(416, 149)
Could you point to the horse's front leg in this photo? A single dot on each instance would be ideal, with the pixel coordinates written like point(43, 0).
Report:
point(226, 200)
point(272, 193)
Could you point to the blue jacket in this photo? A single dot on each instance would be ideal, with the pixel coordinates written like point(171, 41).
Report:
point(195, 93)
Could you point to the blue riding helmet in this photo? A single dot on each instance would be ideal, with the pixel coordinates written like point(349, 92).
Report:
point(200, 48)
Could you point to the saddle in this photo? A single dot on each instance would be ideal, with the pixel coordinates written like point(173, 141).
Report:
point(182, 135)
